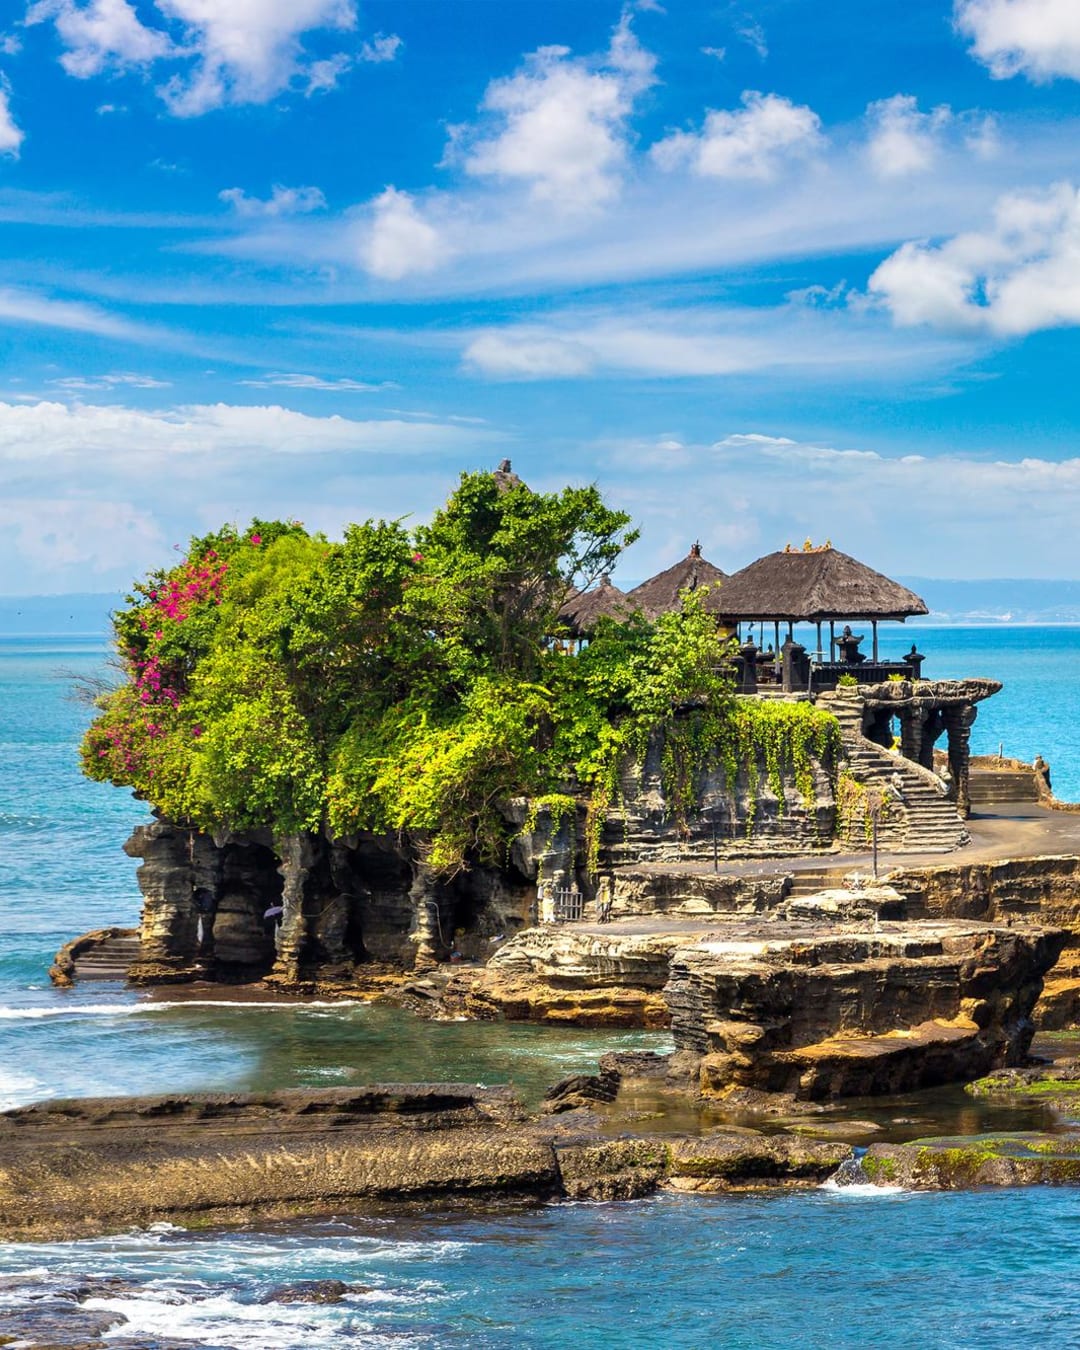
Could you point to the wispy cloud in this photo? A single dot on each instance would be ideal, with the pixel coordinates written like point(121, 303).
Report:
point(81, 384)
point(28, 307)
point(283, 380)
point(705, 341)
point(283, 201)
point(753, 493)
point(11, 134)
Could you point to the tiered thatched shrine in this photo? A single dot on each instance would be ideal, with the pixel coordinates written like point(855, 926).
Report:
point(664, 592)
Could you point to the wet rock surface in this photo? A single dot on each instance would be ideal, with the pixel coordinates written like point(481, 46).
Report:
point(966, 1162)
point(322, 1292)
point(76, 1169)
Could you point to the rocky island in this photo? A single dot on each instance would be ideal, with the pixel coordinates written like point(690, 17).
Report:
point(457, 766)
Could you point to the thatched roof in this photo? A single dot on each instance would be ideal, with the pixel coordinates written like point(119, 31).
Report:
point(604, 601)
point(663, 593)
point(813, 584)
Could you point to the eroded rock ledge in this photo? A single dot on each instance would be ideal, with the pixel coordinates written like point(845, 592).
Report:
point(816, 1008)
point(79, 1168)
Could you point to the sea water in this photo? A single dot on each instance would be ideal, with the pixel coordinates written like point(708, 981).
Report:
point(823, 1269)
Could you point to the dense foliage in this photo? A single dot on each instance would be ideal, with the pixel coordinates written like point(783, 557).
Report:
point(407, 679)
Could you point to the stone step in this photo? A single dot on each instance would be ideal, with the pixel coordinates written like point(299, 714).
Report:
point(109, 960)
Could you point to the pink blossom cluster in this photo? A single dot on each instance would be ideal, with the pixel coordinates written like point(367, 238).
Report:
point(151, 682)
point(189, 585)
point(124, 753)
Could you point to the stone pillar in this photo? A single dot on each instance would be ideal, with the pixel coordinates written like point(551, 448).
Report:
point(911, 733)
point(958, 722)
point(425, 897)
point(299, 854)
point(179, 866)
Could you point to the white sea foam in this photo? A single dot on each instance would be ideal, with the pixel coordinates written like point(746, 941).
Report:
point(9, 1014)
point(14, 1088)
point(223, 1319)
point(859, 1190)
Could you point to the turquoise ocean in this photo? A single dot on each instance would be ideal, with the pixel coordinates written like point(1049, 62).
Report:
point(839, 1268)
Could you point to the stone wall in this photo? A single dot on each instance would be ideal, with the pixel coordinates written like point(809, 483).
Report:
point(643, 827)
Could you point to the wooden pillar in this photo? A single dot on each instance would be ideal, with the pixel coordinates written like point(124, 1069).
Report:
point(776, 638)
point(819, 639)
point(874, 622)
point(832, 639)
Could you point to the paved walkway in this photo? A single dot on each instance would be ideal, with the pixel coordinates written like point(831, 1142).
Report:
point(1022, 830)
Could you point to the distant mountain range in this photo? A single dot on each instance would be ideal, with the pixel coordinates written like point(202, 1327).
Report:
point(1005, 601)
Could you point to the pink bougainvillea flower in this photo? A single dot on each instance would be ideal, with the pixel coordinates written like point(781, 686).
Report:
point(256, 539)
point(418, 557)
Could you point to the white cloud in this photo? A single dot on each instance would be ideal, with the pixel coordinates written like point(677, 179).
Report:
point(1020, 275)
point(285, 380)
point(702, 342)
point(11, 134)
point(781, 490)
point(381, 48)
point(102, 35)
point(103, 490)
point(754, 36)
point(904, 140)
point(283, 201)
point(206, 432)
point(400, 241)
point(123, 379)
point(248, 50)
point(1036, 38)
point(79, 538)
point(750, 142)
point(529, 355)
point(559, 125)
point(242, 51)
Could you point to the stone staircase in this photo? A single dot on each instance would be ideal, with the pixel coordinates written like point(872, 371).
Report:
point(108, 960)
point(813, 880)
point(918, 818)
point(996, 787)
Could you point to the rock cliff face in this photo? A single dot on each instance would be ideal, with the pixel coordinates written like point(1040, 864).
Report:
point(332, 905)
point(1031, 890)
point(336, 903)
point(845, 1012)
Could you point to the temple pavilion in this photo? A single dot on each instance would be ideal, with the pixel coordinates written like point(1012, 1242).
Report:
point(885, 702)
point(817, 586)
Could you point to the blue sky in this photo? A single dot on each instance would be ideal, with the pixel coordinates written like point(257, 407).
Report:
point(761, 270)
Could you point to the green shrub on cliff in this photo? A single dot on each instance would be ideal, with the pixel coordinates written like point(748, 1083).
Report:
point(406, 680)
